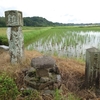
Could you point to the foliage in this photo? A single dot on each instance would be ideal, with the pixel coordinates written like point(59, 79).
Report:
point(3, 41)
point(41, 22)
point(8, 88)
point(2, 22)
point(58, 96)
point(37, 21)
point(31, 34)
point(33, 21)
point(31, 95)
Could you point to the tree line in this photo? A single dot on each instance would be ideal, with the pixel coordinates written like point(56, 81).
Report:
point(33, 21)
point(42, 22)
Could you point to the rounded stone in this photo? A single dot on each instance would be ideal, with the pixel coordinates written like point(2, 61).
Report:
point(43, 62)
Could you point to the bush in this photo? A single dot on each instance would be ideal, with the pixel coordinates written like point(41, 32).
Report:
point(3, 41)
point(58, 96)
point(31, 95)
point(8, 88)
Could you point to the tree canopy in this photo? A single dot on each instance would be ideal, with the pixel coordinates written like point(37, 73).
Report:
point(42, 22)
point(33, 21)
point(2, 22)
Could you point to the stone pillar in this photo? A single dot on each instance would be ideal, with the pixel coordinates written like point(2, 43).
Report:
point(16, 41)
point(92, 71)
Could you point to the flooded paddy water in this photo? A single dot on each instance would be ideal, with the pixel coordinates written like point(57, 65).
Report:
point(71, 44)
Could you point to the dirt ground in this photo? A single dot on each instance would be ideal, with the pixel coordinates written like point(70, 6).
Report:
point(72, 72)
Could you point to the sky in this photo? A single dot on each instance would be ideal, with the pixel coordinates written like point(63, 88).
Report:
point(63, 11)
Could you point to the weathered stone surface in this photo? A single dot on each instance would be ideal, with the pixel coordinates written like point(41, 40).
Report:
point(47, 96)
point(31, 72)
point(48, 92)
point(13, 18)
point(42, 72)
point(54, 70)
point(92, 70)
point(44, 75)
point(43, 62)
point(15, 37)
point(16, 45)
point(31, 81)
point(59, 78)
point(44, 79)
point(43, 85)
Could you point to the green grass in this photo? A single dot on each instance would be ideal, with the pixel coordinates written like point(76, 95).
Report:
point(31, 34)
point(70, 96)
point(3, 36)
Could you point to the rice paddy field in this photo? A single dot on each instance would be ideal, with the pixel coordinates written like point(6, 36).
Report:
point(66, 41)
point(62, 41)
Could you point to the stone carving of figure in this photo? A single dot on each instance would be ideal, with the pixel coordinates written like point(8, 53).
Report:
point(14, 18)
point(11, 18)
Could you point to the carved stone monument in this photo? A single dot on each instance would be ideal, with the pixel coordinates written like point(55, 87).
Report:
point(16, 42)
point(92, 71)
point(43, 75)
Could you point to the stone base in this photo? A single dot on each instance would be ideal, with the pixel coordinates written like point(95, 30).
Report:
point(43, 75)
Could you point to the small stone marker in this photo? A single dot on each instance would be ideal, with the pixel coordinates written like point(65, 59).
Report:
point(42, 65)
point(43, 62)
point(44, 74)
point(92, 71)
point(16, 45)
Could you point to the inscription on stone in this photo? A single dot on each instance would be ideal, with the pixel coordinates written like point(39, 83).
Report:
point(15, 37)
point(13, 18)
point(92, 71)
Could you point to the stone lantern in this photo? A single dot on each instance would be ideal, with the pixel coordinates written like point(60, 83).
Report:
point(14, 21)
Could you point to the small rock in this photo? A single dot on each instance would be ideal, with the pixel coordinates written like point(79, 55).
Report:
point(59, 78)
point(4, 47)
point(50, 87)
point(31, 72)
point(54, 70)
point(50, 75)
point(44, 85)
point(55, 86)
point(48, 92)
point(42, 72)
point(44, 79)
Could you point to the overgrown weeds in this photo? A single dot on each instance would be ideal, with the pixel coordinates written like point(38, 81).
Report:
point(8, 88)
point(72, 73)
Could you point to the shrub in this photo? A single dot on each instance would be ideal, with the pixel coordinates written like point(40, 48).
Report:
point(8, 88)
point(31, 95)
point(58, 95)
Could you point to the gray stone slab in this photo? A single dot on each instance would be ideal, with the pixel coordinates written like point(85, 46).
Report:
point(43, 62)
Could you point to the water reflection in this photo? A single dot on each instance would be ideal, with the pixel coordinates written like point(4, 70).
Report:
point(67, 44)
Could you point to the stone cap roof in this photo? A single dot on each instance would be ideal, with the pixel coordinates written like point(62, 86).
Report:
point(43, 62)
